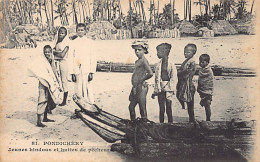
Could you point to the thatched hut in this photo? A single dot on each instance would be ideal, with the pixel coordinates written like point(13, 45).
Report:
point(205, 32)
point(187, 29)
point(101, 29)
point(222, 27)
point(246, 26)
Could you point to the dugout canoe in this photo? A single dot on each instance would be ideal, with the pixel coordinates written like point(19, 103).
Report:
point(200, 140)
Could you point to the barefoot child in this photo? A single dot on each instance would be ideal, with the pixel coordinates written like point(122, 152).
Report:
point(142, 72)
point(61, 51)
point(45, 101)
point(185, 86)
point(205, 84)
point(165, 81)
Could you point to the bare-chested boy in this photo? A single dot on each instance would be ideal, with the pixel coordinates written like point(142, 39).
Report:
point(165, 81)
point(142, 72)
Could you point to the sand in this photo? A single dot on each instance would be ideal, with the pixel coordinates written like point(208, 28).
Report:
point(234, 97)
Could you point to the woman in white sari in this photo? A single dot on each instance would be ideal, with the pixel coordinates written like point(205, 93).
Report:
point(61, 52)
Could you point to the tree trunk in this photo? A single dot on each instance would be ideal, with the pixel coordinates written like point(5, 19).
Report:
point(130, 17)
point(200, 8)
point(80, 16)
point(209, 7)
point(40, 13)
point(251, 11)
point(190, 11)
point(75, 13)
point(184, 9)
point(52, 18)
point(89, 10)
point(151, 13)
point(47, 17)
point(158, 11)
point(206, 7)
point(171, 9)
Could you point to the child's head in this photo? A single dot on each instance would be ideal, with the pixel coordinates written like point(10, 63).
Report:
point(62, 33)
point(140, 47)
point(190, 50)
point(81, 29)
point(204, 60)
point(47, 51)
point(163, 50)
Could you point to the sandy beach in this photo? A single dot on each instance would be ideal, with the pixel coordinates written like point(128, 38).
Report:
point(234, 97)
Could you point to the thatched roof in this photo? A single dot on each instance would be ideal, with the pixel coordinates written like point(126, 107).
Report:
point(186, 27)
point(30, 29)
point(101, 25)
point(245, 27)
point(222, 27)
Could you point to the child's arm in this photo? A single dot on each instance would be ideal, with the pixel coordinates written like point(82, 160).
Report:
point(148, 70)
point(189, 71)
point(61, 54)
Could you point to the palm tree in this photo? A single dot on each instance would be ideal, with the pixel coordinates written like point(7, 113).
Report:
point(252, 7)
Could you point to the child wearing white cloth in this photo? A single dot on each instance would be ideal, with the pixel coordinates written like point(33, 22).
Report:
point(165, 81)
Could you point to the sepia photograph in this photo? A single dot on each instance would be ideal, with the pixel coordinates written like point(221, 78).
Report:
point(129, 80)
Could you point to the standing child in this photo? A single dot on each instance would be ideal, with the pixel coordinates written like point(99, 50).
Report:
point(142, 72)
point(165, 81)
point(45, 101)
point(185, 86)
point(205, 84)
point(84, 64)
point(61, 51)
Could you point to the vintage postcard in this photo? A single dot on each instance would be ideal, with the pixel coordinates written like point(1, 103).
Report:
point(129, 80)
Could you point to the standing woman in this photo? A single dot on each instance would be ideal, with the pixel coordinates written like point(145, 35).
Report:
point(61, 52)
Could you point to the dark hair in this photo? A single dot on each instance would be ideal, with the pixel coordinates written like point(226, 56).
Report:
point(166, 46)
point(204, 57)
point(81, 25)
point(192, 46)
point(47, 46)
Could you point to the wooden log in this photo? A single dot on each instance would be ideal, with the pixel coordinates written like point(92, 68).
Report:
point(217, 70)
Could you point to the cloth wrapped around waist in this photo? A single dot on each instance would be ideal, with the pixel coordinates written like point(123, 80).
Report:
point(164, 88)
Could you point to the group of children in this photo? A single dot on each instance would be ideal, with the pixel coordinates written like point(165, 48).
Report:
point(69, 61)
point(77, 63)
point(169, 81)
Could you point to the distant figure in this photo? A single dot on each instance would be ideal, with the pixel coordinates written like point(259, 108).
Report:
point(84, 64)
point(30, 42)
point(142, 72)
point(185, 86)
point(61, 51)
point(45, 101)
point(205, 84)
point(165, 81)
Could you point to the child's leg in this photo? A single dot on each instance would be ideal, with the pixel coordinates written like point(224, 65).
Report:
point(131, 107)
point(161, 101)
point(39, 121)
point(182, 103)
point(207, 109)
point(169, 110)
point(45, 118)
point(142, 93)
point(191, 110)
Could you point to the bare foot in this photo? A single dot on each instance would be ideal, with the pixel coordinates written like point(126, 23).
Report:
point(40, 125)
point(48, 120)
